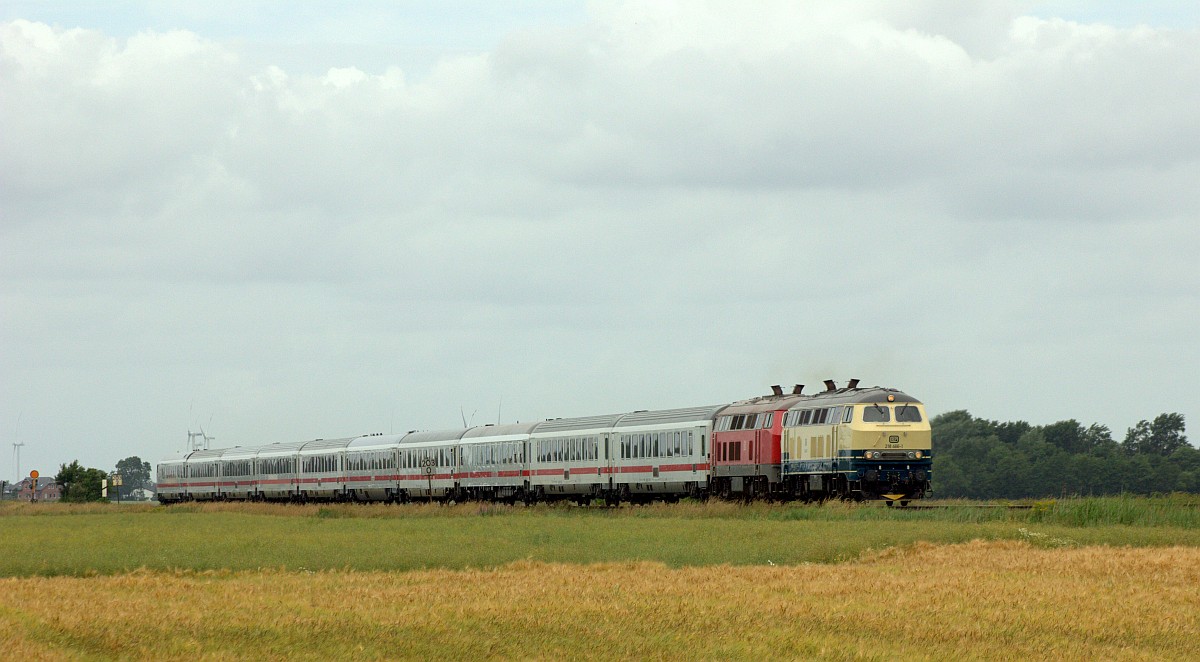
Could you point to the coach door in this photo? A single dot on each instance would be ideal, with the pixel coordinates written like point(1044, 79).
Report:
point(608, 462)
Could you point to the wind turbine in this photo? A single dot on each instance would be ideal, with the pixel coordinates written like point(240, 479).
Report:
point(17, 453)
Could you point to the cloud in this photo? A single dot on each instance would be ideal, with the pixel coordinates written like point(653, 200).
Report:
point(930, 193)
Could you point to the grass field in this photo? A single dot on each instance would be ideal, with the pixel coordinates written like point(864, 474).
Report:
point(1080, 579)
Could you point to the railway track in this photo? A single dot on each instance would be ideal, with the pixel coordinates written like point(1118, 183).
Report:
point(944, 506)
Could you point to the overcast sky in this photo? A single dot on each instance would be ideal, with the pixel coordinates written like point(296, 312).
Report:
point(282, 221)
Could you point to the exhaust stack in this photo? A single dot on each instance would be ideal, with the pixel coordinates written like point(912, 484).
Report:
point(777, 390)
point(852, 385)
point(830, 385)
point(796, 390)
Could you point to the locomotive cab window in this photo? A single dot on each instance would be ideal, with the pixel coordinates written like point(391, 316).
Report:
point(876, 414)
point(907, 414)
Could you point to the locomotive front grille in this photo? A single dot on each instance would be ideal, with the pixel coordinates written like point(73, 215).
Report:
point(895, 455)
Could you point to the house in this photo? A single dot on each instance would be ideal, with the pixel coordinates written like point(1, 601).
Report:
point(141, 494)
point(47, 489)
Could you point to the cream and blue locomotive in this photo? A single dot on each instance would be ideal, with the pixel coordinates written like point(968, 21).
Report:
point(871, 443)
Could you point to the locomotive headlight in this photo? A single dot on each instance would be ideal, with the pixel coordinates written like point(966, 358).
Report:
point(867, 455)
point(919, 455)
point(912, 455)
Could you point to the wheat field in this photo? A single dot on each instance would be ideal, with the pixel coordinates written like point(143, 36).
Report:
point(979, 600)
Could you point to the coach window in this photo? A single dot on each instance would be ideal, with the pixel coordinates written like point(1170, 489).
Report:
point(876, 414)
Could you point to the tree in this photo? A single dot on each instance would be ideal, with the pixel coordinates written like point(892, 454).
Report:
point(135, 474)
point(1162, 437)
point(80, 484)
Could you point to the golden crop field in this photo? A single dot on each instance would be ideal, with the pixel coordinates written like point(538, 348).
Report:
point(978, 600)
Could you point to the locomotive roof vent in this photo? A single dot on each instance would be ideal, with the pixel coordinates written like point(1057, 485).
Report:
point(796, 390)
point(777, 389)
point(830, 385)
point(852, 385)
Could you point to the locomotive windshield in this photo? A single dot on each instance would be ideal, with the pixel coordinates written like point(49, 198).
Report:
point(876, 414)
point(907, 414)
point(880, 413)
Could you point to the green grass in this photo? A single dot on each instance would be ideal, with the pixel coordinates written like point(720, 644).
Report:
point(47, 539)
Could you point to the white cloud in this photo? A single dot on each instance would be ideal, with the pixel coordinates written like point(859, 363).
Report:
point(968, 203)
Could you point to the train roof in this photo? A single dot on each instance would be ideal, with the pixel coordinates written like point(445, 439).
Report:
point(557, 425)
point(278, 448)
point(506, 430)
point(433, 435)
point(238, 452)
point(661, 416)
point(375, 440)
point(765, 403)
point(579, 423)
point(325, 445)
point(854, 396)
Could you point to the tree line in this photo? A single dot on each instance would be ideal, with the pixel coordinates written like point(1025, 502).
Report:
point(981, 459)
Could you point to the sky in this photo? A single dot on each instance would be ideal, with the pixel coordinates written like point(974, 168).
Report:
point(287, 221)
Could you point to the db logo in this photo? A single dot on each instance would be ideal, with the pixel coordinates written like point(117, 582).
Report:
point(894, 440)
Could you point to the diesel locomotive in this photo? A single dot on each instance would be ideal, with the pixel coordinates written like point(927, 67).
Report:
point(849, 443)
